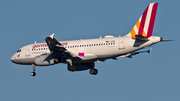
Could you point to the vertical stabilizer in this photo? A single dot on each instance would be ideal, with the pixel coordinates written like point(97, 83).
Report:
point(145, 24)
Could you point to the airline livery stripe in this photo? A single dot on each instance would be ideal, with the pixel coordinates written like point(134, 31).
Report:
point(136, 29)
point(140, 19)
point(148, 18)
point(133, 33)
point(152, 20)
point(144, 34)
point(143, 21)
point(138, 24)
point(144, 26)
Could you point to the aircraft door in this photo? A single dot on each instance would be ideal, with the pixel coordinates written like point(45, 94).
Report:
point(121, 43)
point(28, 48)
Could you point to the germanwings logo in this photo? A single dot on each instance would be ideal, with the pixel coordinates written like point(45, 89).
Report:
point(40, 45)
point(145, 24)
point(45, 45)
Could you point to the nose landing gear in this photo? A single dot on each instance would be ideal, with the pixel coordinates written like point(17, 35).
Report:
point(33, 73)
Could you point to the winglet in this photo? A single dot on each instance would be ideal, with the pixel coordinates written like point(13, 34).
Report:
point(52, 36)
point(149, 51)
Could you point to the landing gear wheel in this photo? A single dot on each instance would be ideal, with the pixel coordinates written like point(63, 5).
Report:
point(33, 73)
point(96, 71)
point(93, 71)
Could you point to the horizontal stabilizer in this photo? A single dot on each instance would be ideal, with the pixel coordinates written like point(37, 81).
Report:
point(140, 38)
point(134, 53)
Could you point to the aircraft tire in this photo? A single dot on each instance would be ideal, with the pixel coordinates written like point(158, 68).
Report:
point(33, 73)
point(93, 71)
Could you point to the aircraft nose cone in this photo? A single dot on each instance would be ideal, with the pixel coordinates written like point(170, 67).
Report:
point(12, 59)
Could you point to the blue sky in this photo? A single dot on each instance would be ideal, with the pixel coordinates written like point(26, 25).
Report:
point(146, 77)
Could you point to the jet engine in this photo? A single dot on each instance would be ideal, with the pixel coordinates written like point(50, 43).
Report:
point(80, 66)
point(45, 60)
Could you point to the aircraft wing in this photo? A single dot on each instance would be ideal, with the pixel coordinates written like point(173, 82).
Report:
point(57, 48)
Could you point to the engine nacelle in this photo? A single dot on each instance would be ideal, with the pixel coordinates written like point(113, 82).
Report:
point(80, 66)
point(45, 60)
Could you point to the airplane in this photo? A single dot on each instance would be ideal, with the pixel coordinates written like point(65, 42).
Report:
point(81, 54)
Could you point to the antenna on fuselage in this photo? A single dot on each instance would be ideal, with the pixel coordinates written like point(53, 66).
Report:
point(35, 42)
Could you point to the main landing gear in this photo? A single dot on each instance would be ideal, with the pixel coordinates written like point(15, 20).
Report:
point(70, 66)
point(93, 71)
point(33, 73)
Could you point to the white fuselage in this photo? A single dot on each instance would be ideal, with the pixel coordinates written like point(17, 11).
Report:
point(81, 54)
point(87, 50)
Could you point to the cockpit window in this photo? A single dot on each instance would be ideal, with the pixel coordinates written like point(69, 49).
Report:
point(19, 51)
